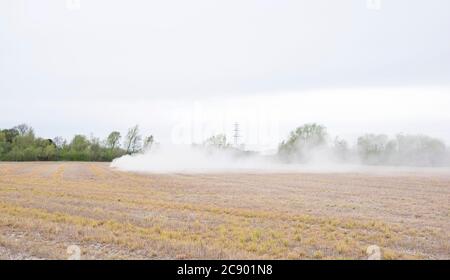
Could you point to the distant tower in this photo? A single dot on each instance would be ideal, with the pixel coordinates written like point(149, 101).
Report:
point(236, 134)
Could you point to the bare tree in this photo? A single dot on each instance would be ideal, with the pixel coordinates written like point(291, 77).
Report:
point(148, 142)
point(59, 142)
point(24, 129)
point(132, 140)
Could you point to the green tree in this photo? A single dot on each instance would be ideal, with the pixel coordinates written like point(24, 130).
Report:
point(4, 146)
point(113, 140)
point(10, 134)
point(21, 144)
point(78, 148)
point(217, 141)
point(302, 141)
point(49, 152)
point(79, 143)
point(372, 148)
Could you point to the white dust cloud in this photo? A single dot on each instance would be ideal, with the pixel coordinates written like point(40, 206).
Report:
point(191, 159)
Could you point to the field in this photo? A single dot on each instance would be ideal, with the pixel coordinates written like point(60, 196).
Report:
point(46, 207)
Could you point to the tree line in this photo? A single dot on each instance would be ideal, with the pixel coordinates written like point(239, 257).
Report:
point(304, 144)
point(21, 144)
point(312, 140)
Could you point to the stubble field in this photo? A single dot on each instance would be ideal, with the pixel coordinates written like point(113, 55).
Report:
point(108, 214)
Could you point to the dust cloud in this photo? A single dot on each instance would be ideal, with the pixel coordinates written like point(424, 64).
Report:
point(189, 159)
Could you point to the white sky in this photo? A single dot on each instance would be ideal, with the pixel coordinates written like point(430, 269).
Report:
point(186, 69)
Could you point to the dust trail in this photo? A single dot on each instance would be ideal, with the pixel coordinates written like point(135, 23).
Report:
point(200, 159)
point(191, 159)
point(183, 158)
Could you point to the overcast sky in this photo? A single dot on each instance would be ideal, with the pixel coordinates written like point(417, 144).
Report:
point(186, 69)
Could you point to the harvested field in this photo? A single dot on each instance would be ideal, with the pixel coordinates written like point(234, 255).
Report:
point(46, 207)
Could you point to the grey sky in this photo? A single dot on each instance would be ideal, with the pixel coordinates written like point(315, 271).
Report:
point(124, 62)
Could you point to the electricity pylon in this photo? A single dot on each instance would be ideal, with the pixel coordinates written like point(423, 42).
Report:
point(236, 134)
